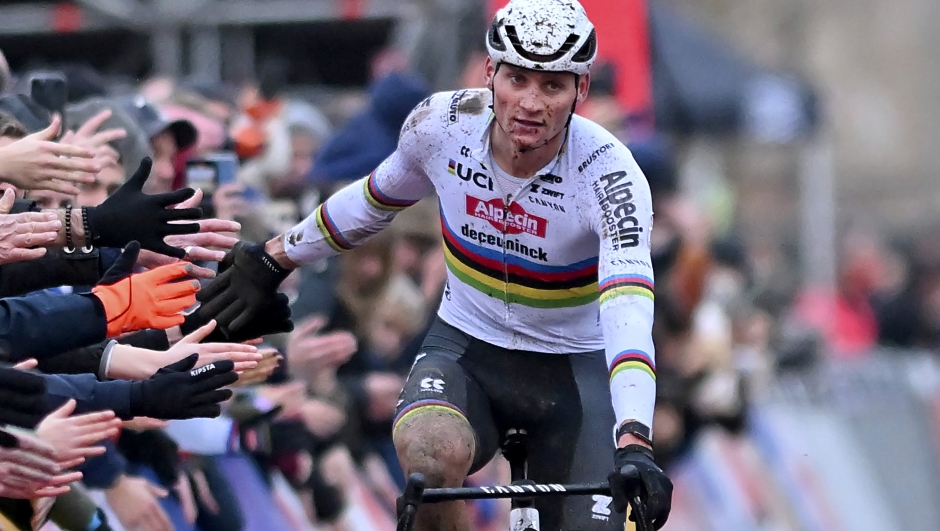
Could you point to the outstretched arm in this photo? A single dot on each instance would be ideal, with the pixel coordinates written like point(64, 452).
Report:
point(250, 274)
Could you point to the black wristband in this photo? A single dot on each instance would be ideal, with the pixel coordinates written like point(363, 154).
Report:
point(637, 429)
point(69, 245)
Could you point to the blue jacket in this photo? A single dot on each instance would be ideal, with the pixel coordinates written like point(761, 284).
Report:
point(372, 135)
point(45, 324)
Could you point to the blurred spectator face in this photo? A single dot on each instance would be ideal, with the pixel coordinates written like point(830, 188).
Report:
point(388, 332)
point(303, 145)
point(110, 178)
point(211, 133)
point(369, 268)
point(473, 72)
point(399, 314)
point(164, 156)
point(47, 199)
point(388, 61)
point(407, 255)
point(863, 266)
point(157, 89)
point(532, 107)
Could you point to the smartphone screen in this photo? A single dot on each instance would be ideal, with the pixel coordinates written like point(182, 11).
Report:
point(50, 91)
point(200, 174)
point(211, 171)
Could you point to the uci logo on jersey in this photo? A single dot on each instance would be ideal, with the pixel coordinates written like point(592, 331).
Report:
point(466, 173)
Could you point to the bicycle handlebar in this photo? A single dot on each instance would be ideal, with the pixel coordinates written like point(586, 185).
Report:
point(416, 494)
point(514, 491)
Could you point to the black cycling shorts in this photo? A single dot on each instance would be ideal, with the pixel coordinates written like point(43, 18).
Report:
point(561, 400)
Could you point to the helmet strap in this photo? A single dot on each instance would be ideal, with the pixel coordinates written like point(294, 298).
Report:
point(574, 104)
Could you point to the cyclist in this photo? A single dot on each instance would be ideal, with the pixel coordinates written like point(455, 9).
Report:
point(546, 221)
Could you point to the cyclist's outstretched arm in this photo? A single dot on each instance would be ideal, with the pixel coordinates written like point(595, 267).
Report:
point(240, 297)
point(362, 209)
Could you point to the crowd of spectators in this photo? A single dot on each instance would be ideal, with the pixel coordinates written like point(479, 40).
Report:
point(122, 409)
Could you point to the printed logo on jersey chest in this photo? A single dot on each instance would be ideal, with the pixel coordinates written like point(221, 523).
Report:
point(539, 194)
point(512, 220)
point(616, 200)
point(593, 156)
point(469, 174)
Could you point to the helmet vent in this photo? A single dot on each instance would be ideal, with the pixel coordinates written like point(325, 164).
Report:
point(539, 58)
point(586, 53)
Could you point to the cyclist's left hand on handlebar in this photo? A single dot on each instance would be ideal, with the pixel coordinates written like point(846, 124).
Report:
point(655, 487)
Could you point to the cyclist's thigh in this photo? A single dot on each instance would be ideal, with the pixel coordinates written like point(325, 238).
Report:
point(578, 447)
point(438, 382)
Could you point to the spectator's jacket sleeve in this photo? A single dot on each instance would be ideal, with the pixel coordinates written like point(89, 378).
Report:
point(45, 324)
point(365, 207)
point(89, 393)
point(618, 207)
point(86, 360)
point(56, 268)
point(103, 471)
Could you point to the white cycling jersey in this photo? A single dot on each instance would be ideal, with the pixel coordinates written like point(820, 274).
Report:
point(561, 266)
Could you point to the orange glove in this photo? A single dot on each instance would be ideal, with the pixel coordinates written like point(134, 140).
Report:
point(147, 300)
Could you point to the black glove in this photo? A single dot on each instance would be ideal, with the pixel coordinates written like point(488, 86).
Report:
point(247, 282)
point(652, 485)
point(273, 318)
point(130, 214)
point(21, 397)
point(178, 391)
point(123, 266)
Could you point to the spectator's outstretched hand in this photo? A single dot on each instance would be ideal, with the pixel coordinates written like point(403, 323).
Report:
point(89, 136)
point(22, 236)
point(154, 299)
point(28, 468)
point(215, 237)
point(74, 437)
point(37, 163)
point(136, 503)
point(180, 391)
point(244, 357)
point(312, 352)
point(270, 359)
point(130, 214)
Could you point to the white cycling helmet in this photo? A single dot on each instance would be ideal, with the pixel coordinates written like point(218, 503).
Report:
point(550, 35)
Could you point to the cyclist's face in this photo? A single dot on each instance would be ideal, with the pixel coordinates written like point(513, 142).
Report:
point(532, 107)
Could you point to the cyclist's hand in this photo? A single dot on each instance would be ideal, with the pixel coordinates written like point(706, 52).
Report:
point(247, 282)
point(654, 488)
